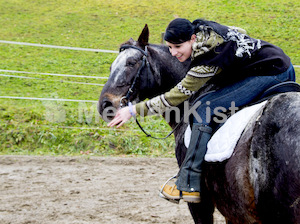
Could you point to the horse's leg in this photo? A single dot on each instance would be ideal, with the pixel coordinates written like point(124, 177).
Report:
point(202, 213)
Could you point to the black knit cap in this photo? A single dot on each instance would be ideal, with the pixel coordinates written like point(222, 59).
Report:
point(179, 31)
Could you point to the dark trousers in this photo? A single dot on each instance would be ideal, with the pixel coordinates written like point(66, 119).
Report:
point(241, 93)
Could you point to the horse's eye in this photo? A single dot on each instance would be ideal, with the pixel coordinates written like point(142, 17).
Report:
point(130, 63)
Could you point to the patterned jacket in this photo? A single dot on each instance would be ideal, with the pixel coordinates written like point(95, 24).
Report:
point(222, 55)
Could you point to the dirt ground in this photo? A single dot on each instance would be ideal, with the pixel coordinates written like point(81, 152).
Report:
point(87, 190)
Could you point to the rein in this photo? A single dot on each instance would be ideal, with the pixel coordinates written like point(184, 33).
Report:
point(130, 90)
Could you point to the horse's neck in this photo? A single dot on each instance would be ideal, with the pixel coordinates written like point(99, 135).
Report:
point(170, 70)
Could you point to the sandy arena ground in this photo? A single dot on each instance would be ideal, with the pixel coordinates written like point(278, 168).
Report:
point(87, 190)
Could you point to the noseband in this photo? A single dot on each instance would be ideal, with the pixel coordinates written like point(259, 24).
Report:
point(137, 76)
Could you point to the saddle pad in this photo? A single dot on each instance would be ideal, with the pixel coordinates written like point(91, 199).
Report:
point(221, 145)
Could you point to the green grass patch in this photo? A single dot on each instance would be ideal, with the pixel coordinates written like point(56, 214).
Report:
point(71, 128)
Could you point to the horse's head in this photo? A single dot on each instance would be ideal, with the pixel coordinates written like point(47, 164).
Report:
point(129, 73)
point(140, 71)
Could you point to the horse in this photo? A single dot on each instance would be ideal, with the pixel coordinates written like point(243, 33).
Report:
point(260, 182)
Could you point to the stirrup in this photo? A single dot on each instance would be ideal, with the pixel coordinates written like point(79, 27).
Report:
point(176, 201)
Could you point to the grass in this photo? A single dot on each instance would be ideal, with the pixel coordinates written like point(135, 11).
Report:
point(69, 128)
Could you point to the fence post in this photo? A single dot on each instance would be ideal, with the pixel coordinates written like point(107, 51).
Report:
point(162, 38)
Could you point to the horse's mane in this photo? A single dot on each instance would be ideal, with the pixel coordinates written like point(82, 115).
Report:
point(161, 47)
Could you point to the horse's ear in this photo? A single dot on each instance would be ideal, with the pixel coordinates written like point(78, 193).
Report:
point(131, 41)
point(144, 36)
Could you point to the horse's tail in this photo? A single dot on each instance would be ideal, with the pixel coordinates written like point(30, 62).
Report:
point(275, 160)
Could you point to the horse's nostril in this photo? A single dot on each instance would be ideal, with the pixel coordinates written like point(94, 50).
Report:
point(106, 103)
point(107, 110)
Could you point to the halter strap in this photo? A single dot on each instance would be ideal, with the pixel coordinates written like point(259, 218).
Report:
point(126, 46)
point(144, 62)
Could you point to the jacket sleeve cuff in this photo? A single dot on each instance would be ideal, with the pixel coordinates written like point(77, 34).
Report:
point(141, 109)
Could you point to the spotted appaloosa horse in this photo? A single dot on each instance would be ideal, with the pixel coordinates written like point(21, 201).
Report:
point(260, 183)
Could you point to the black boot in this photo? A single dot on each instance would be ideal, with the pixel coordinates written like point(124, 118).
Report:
point(187, 186)
point(189, 175)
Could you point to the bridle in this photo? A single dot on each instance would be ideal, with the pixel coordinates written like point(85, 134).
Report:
point(133, 85)
point(137, 76)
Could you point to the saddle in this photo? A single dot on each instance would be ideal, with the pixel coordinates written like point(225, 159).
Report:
point(222, 144)
point(283, 87)
point(277, 89)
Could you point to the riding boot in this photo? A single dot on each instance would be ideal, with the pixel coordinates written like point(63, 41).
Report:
point(189, 175)
point(187, 186)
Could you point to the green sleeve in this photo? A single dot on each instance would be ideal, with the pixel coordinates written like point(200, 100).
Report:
point(181, 92)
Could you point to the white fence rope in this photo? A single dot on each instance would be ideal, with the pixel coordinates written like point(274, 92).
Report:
point(88, 128)
point(61, 81)
point(53, 74)
point(83, 83)
point(49, 99)
point(59, 47)
point(18, 76)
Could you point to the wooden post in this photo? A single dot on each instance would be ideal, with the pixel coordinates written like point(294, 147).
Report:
point(162, 38)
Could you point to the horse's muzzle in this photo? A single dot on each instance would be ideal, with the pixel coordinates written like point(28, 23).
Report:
point(106, 106)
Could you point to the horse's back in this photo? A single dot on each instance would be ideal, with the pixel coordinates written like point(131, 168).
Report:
point(275, 160)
